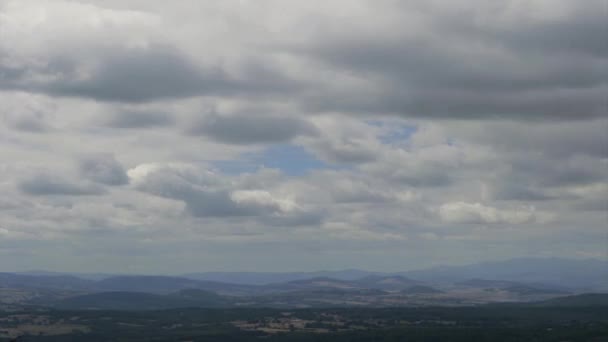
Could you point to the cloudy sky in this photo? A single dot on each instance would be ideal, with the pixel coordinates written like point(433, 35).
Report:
point(173, 136)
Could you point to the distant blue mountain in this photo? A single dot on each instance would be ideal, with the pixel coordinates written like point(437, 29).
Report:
point(567, 274)
point(579, 275)
point(264, 278)
point(165, 284)
point(60, 282)
point(539, 273)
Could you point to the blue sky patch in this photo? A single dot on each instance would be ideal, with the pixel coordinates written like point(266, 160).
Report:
point(291, 159)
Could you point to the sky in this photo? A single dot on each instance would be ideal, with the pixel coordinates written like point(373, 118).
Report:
point(238, 135)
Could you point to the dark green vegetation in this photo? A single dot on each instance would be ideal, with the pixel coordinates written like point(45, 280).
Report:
point(583, 300)
point(143, 301)
point(566, 319)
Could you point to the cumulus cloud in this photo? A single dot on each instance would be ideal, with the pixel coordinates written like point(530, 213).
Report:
point(105, 54)
point(477, 213)
point(247, 128)
point(103, 168)
point(32, 122)
point(392, 120)
point(518, 192)
point(49, 184)
point(473, 60)
point(139, 119)
point(343, 140)
point(553, 139)
point(431, 166)
point(207, 194)
point(24, 113)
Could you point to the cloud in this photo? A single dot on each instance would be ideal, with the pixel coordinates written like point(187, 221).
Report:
point(104, 169)
point(44, 184)
point(391, 120)
point(207, 194)
point(139, 119)
point(348, 190)
point(518, 192)
point(554, 139)
point(349, 187)
point(261, 199)
point(472, 60)
point(469, 61)
point(27, 114)
point(430, 166)
point(100, 53)
point(343, 140)
point(135, 74)
point(245, 128)
point(477, 213)
point(118, 55)
point(140, 75)
point(31, 122)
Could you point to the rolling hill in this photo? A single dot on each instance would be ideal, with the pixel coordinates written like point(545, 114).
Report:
point(123, 300)
point(165, 285)
point(590, 275)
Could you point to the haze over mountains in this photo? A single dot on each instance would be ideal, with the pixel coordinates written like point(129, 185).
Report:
point(573, 274)
point(517, 280)
point(569, 273)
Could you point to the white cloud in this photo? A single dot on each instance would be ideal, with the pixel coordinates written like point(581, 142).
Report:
point(228, 132)
point(477, 213)
point(263, 199)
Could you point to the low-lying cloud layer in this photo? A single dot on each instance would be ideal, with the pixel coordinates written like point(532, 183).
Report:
point(154, 136)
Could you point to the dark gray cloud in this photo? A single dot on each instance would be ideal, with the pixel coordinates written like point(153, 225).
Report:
point(344, 151)
point(209, 195)
point(519, 192)
point(592, 204)
point(133, 75)
point(576, 172)
point(26, 119)
point(552, 139)
point(530, 177)
point(427, 127)
point(104, 169)
point(581, 31)
point(139, 119)
point(426, 176)
point(141, 75)
point(44, 184)
point(529, 69)
point(138, 75)
point(473, 60)
point(200, 201)
point(414, 172)
point(298, 218)
point(29, 124)
point(246, 128)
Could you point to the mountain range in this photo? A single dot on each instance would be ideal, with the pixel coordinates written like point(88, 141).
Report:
point(561, 274)
point(518, 280)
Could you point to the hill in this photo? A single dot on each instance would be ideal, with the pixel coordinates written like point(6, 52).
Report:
point(581, 275)
point(313, 283)
point(134, 301)
point(58, 282)
point(387, 283)
point(165, 285)
point(266, 278)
